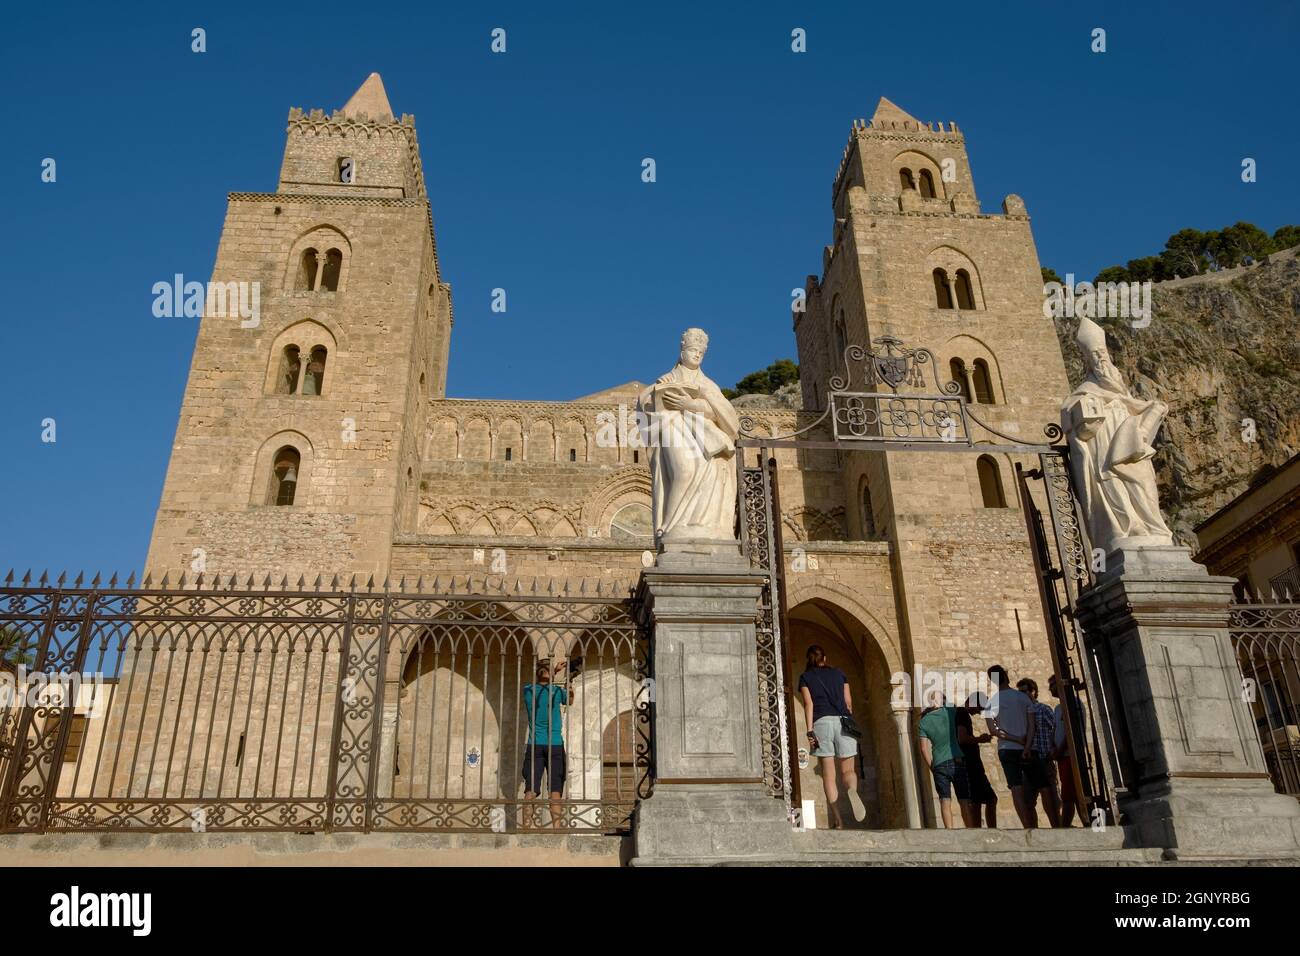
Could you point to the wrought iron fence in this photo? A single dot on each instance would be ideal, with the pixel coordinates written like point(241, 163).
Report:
point(1266, 637)
point(299, 709)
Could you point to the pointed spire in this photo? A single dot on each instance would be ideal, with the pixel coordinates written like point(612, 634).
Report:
point(887, 112)
point(370, 101)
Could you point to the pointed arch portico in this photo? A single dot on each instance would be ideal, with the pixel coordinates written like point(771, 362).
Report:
point(858, 642)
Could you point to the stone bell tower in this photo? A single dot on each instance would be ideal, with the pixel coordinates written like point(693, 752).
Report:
point(914, 258)
point(298, 446)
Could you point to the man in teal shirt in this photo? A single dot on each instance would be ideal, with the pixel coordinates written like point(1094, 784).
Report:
point(544, 752)
point(941, 753)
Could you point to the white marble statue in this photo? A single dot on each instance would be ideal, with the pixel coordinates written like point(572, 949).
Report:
point(1110, 434)
point(690, 430)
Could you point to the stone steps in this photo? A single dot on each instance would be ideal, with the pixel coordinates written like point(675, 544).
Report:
point(970, 841)
point(1074, 847)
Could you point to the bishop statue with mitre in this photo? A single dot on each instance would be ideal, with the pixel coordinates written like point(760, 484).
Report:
point(1111, 434)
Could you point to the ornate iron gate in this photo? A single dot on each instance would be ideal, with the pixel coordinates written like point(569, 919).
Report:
point(222, 707)
point(760, 537)
point(1266, 636)
point(932, 421)
point(1093, 727)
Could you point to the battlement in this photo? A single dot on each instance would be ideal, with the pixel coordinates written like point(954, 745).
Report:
point(900, 129)
point(298, 115)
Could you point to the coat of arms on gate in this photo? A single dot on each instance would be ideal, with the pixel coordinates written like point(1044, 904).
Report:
point(893, 362)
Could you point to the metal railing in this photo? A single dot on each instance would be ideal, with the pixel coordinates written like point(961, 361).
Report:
point(235, 708)
point(1266, 638)
point(1286, 583)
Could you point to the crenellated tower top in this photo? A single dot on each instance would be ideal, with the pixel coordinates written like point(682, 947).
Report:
point(359, 150)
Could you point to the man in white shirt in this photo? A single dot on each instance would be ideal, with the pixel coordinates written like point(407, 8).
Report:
point(1010, 718)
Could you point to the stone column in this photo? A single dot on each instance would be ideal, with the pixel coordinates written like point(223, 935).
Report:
point(970, 384)
point(709, 802)
point(1199, 789)
point(907, 767)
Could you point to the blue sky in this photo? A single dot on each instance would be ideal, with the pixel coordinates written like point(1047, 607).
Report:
point(533, 162)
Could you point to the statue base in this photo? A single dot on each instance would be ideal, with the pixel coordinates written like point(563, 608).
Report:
point(704, 824)
point(1131, 557)
point(701, 554)
point(710, 801)
point(1197, 785)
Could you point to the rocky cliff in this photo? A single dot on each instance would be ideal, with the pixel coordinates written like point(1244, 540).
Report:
point(1220, 348)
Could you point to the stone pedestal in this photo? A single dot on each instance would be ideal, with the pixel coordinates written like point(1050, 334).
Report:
point(709, 802)
point(1199, 789)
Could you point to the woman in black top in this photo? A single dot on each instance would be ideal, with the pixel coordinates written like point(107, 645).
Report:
point(826, 701)
point(981, 791)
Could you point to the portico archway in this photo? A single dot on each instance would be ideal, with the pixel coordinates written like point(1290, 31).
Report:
point(850, 646)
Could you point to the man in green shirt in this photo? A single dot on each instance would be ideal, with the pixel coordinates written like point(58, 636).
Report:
point(941, 753)
point(544, 751)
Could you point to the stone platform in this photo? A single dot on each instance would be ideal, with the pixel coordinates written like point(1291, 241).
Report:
point(312, 849)
point(1044, 847)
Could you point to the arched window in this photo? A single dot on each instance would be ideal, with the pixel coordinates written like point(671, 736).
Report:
point(942, 294)
point(284, 476)
point(927, 185)
point(983, 383)
point(286, 381)
point(905, 178)
point(632, 522)
point(957, 371)
point(965, 295)
point(990, 482)
point(318, 261)
point(868, 515)
point(330, 275)
point(307, 271)
point(841, 339)
point(314, 380)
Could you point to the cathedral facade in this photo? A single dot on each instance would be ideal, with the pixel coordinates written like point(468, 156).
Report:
point(321, 441)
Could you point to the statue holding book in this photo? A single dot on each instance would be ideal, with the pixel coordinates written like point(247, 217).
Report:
point(690, 430)
point(1111, 434)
